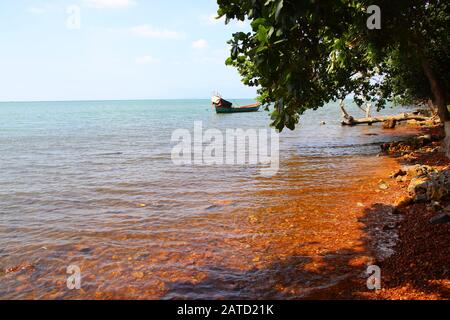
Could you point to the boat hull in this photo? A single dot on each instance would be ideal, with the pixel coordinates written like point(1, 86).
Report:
point(249, 108)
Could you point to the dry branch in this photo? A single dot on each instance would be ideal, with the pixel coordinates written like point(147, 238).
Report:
point(348, 120)
point(400, 117)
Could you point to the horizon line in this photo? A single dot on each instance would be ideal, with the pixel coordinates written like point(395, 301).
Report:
point(99, 100)
point(139, 99)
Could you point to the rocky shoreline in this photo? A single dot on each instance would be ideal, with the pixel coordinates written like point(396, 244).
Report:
point(418, 194)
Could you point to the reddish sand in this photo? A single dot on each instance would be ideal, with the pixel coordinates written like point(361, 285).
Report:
point(420, 267)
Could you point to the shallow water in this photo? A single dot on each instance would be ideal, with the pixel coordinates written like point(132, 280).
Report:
point(92, 184)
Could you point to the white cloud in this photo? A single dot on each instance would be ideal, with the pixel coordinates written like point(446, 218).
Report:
point(150, 32)
point(147, 60)
point(110, 4)
point(200, 44)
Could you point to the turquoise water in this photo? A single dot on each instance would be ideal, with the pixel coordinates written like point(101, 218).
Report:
point(93, 183)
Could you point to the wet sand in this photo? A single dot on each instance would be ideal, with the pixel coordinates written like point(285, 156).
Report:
point(419, 268)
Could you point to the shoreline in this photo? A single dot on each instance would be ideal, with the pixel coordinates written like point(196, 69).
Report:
point(293, 247)
point(419, 267)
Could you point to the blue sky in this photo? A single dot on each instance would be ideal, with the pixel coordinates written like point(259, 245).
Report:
point(124, 49)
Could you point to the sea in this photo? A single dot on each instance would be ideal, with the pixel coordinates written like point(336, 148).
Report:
point(90, 189)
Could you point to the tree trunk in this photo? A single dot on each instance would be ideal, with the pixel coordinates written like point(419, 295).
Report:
point(440, 100)
point(439, 94)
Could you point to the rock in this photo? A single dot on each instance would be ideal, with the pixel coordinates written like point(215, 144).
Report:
point(383, 185)
point(403, 201)
point(389, 124)
point(401, 179)
point(222, 202)
point(440, 219)
point(21, 267)
point(138, 275)
point(418, 170)
point(432, 186)
point(436, 206)
point(398, 173)
point(408, 157)
point(391, 226)
point(252, 219)
point(85, 250)
point(417, 189)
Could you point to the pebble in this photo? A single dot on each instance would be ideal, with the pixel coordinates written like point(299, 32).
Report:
point(85, 250)
point(383, 185)
point(138, 275)
point(440, 219)
point(222, 202)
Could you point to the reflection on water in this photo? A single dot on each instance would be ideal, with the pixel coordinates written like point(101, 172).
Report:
point(92, 184)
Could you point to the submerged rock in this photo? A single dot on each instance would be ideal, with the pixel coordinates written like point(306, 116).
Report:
point(383, 185)
point(21, 267)
point(440, 219)
point(138, 275)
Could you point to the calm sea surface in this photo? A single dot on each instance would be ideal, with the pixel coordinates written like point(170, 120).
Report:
point(92, 184)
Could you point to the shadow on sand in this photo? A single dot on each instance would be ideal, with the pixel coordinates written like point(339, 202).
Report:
point(337, 274)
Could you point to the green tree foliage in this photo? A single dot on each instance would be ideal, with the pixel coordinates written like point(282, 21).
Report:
point(303, 54)
point(415, 58)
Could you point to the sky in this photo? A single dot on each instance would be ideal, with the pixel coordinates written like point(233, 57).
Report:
point(115, 49)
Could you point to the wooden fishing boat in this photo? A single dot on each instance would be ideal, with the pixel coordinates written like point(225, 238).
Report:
point(250, 108)
point(223, 106)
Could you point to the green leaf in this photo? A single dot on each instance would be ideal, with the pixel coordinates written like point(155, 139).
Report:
point(278, 10)
point(261, 49)
point(262, 35)
point(257, 23)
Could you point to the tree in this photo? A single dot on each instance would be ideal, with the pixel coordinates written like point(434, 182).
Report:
point(414, 46)
point(303, 54)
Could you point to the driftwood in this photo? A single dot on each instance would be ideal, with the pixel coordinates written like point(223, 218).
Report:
point(400, 117)
point(350, 121)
